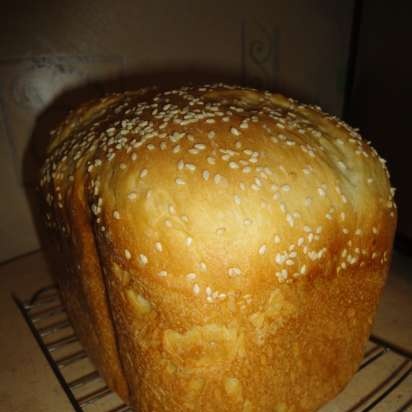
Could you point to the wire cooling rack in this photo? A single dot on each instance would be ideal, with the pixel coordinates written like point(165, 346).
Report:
point(382, 383)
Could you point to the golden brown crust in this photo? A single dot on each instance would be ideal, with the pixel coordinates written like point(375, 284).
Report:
point(245, 241)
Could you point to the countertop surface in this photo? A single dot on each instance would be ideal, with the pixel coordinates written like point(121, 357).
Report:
point(27, 383)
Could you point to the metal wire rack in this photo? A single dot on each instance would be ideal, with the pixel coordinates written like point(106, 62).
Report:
point(383, 382)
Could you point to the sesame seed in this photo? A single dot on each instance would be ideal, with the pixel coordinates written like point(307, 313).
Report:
point(172, 209)
point(190, 166)
point(143, 173)
point(237, 199)
point(143, 259)
point(134, 156)
point(188, 241)
point(200, 146)
point(289, 262)
point(132, 195)
point(205, 174)
point(116, 215)
point(276, 239)
point(262, 250)
point(290, 219)
point(234, 272)
point(196, 289)
point(247, 169)
point(233, 165)
point(202, 266)
point(191, 276)
point(180, 164)
point(370, 180)
point(158, 247)
point(211, 160)
point(282, 275)
point(180, 181)
point(122, 166)
point(280, 258)
point(302, 270)
point(211, 134)
point(321, 191)
point(285, 188)
point(127, 254)
point(217, 179)
point(234, 131)
point(162, 273)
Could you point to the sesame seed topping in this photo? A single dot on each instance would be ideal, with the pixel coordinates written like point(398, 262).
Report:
point(132, 195)
point(285, 188)
point(162, 273)
point(237, 199)
point(205, 174)
point(158, 247)
point(321, 191)
point(276, 239)
point(143, 259)
point(180, 181)
point(211, 160)
point(262, 250)
point(202, 266)
point(196, 289)
point(211, 134)
point(233, 165)
point(116, 215)
point(143, 173)
point(217, 179)
point(234, 272)
point(127, 254)
point(190, 167)
point(191, 276)
point(234, 131)
point(188, 241)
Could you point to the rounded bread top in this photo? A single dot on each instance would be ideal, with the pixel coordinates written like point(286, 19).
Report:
point(218, 188)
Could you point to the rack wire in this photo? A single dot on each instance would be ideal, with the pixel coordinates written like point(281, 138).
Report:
point(382, 383)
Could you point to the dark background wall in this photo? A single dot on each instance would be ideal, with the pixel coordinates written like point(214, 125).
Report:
point(380, 104)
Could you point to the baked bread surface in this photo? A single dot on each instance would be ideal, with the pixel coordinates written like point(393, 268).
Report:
point(237, 243)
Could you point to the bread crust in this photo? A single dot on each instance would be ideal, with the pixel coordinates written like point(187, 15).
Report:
point(243, 241)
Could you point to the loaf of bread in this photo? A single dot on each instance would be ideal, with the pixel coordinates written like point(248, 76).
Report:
point(225, 248)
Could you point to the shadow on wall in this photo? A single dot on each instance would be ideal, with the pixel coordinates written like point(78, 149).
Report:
point(58, 109)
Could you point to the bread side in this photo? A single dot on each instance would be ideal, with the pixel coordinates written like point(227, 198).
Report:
point(244, 239)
